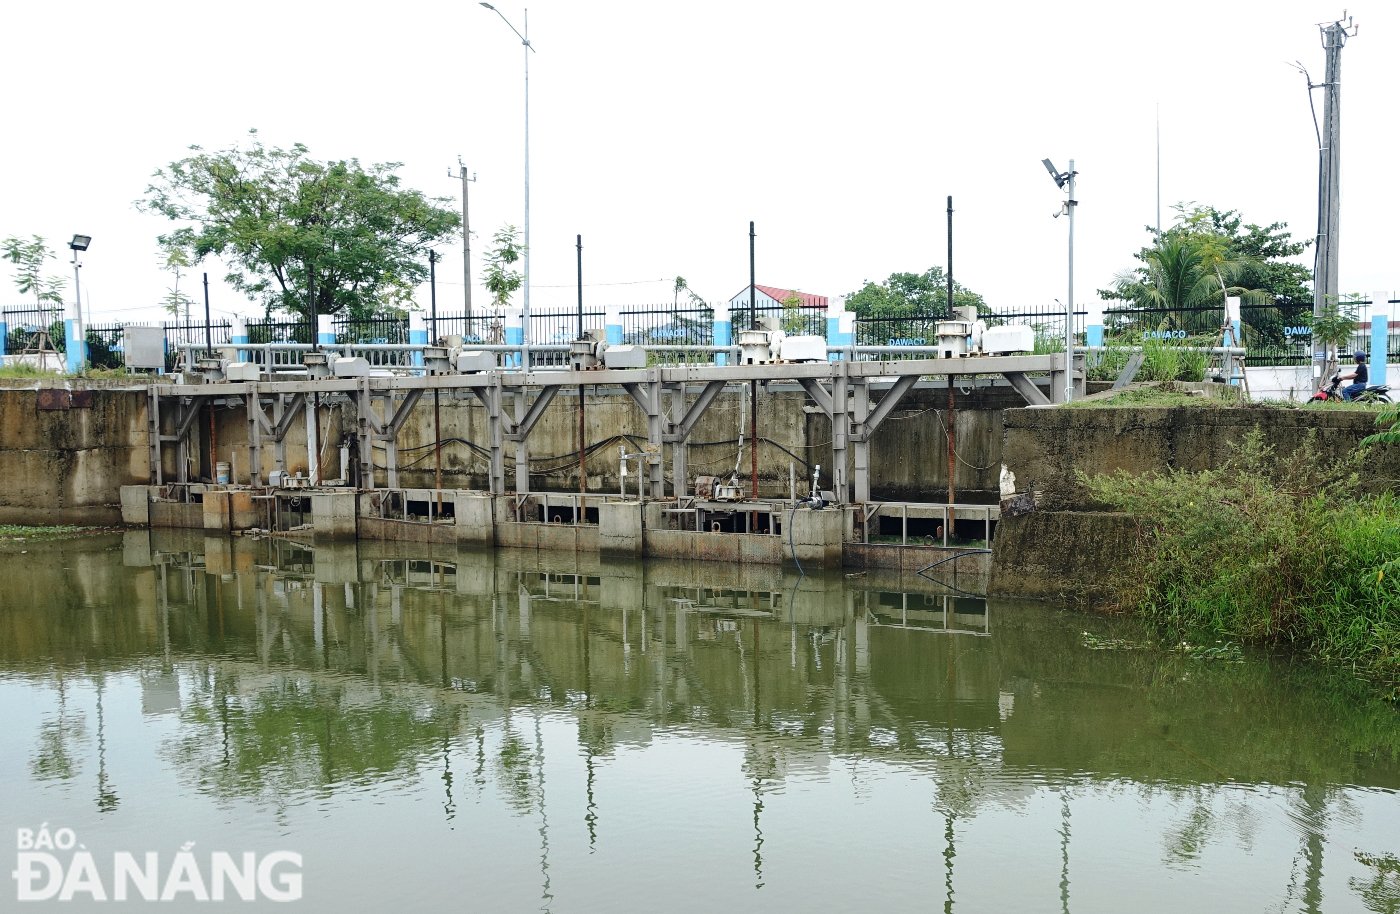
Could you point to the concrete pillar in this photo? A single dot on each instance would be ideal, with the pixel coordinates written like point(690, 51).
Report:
point(816, 537)
point(620, 528)
point(325, 330)
point(238, 333)
point(723, 332)
point(475, 523)
point(333, 515)
point(680, 472)
point(515, 335)
point(612, 325)
point(74, 341)
point(1380, 335)
point(417, 336)
point(840, 436)
point(840, 327)
point(136, 505)
point(861, 446)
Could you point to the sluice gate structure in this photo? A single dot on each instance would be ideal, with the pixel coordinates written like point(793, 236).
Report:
point(337, 489)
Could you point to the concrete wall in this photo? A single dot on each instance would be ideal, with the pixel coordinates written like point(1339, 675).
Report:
point(67, 466)
point(1063, 548)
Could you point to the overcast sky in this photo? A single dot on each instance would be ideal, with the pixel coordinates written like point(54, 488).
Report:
point(659, 129)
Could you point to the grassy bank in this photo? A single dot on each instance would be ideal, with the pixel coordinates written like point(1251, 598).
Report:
point(1268, 550)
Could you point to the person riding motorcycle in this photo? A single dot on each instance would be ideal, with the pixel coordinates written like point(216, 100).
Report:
point(1361, 376)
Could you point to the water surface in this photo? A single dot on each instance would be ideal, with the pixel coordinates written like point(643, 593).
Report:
point(520, 731)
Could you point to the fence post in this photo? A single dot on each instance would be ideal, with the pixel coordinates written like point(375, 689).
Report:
point(325, 330)
point(4, 335)
point(239, 334)
point(417, 336)
point(723, 331)
point(612, 325)
point(75, 342)
point(840, 327)
point(515, 334)
point(1093, 327)
point(1380, 335)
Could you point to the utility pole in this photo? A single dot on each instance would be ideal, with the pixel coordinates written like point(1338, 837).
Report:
point(466, 239)
point(1325, 285)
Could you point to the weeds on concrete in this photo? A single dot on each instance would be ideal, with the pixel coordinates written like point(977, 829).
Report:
point(1268, 549)
point(22, 370)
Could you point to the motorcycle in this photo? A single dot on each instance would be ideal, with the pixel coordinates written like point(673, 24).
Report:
point(1376, 393)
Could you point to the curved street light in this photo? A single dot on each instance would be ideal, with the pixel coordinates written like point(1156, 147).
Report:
point(529, 49)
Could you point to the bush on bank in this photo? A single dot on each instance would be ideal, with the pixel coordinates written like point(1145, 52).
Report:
point(1269, 549)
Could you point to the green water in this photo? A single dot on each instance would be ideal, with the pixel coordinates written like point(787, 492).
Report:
point(513, 732)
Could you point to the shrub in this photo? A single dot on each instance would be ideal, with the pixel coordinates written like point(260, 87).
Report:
point(1268, 548)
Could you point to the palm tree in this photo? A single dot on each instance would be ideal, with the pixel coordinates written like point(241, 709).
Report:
point(1185, 275)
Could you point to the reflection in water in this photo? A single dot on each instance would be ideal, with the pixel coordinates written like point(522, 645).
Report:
point(292, 675)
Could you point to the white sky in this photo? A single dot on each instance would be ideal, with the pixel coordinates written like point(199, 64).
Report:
point(659, 129)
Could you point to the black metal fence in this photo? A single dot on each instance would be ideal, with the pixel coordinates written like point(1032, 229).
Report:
point(1272, 334)
point(906, 328)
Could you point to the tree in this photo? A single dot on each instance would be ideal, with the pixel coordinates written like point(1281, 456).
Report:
point(913, 295)
point(904, 309)
point(28, 258)
point(301, 235)
point(1190, 267)
point(176, 259)
point(502, 279)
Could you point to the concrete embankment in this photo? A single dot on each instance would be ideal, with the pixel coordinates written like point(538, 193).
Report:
point(1067, 547)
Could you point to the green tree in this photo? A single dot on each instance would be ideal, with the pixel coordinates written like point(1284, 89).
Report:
point(28, 258)
point(913, 295)
point(300, 235)
point(175, 260)
point(1206, 255)
point(502, 279)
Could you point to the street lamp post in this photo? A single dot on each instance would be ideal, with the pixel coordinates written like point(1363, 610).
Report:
point(1065, 180)
point(77, 345)
point(529, 49)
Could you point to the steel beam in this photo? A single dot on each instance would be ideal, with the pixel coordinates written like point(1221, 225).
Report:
point(1027, 388)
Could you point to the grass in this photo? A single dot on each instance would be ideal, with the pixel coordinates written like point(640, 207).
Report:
point(1163, 397)
point(1268, 549)
point(23, 370)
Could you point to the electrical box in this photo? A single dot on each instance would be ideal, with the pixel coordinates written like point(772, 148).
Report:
point(803, 349)
point(241, 371)
point(476, 360)
point(625, 357)
point(1011, 339)
point(350, 368)
point(144, 347)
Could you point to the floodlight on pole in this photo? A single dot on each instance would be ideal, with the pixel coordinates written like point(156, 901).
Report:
point(79, 336)
point(529, 49)
point(1065, 181)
